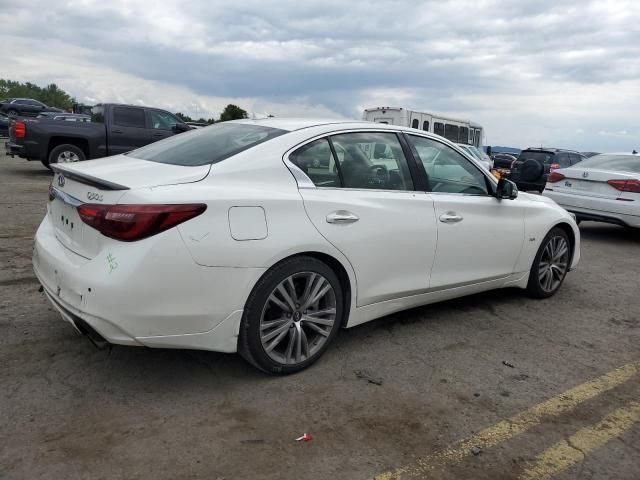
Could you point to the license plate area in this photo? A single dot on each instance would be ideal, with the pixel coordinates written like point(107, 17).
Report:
point(67, 223)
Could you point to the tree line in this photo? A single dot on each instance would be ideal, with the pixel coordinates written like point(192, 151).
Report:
point(53, 96)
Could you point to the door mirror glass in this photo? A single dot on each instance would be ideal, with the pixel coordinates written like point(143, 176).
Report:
point(180, 127)
point(506, 189)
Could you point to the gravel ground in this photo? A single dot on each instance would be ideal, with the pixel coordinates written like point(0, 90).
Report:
point(70, 411)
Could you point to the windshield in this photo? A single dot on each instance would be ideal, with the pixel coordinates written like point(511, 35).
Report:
point(206, 145)
point(544, 157)
point(616, 163)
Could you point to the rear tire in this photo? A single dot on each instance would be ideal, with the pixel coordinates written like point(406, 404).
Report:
point(550, 265)
point(66, 153)
point(288, 321)
point(12, 113)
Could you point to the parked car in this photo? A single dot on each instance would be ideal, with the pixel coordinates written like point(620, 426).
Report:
point(68, 117)
point(589, 154)
point(4, 125)
point(603, 188)
point(27, 107)
point(533, 165)
point(113, 129)
point(503, 161)
point(235, 237)
point(478, 154)
point(197, 124)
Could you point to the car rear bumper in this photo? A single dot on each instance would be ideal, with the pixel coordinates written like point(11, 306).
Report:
point(598, 209)
point(157, 295)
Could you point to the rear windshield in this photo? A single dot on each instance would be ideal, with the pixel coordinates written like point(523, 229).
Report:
point(544, 157)
point(207, 145)
point(616, 163)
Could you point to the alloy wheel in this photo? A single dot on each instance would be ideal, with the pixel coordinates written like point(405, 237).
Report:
point(298, 318)
point(554, 263)
point(68, 157)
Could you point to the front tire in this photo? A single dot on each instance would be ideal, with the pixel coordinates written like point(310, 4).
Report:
point(291, 316)
point(66, 153)
point(550, 265)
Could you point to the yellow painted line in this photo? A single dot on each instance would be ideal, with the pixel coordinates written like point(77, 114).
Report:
point(517, 424)
point(567, 453)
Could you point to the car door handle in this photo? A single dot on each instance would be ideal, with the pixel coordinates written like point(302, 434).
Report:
point(450, 217)
point(116, 131)
point(342, 216)
point(158, 134)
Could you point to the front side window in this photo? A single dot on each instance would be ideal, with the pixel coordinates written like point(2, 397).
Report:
point(372, 160)
point(206, 145)
point(415, 123)
point(128, 117)
point(162, 120)
point(448, 171)
point(316, 161)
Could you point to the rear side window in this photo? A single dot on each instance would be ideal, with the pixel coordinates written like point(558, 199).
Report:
point(575, 158)
point(451, 132)
point(415, 123)
point(316, 161)
point(207, 145)
point(464, 135)
point(562, 159)
point(425, 126)
point(438, 129)
point(128, 117)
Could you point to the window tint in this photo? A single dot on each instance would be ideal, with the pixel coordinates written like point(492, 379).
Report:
point(415, 123)
point(451, 132)
point(372, 160)
point(447, 170)
point(128, 117)
point(316, 161)
point(562, 159)
point(575, 158)
point(438, 128)
point(206, 145)
point(545, 157)
point(464, 135)
point(425, 126)
point(20, 102)
point(97, 114)
point(162, 120)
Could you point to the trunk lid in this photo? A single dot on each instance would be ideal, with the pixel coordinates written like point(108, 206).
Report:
point(104, 181)
point(589, 182)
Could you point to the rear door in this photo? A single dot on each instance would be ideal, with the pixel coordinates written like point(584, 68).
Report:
point(127, 129)
point(471, 223)
point(365, 205)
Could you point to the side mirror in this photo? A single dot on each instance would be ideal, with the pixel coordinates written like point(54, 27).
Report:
point(181, 127)
point(506, 189)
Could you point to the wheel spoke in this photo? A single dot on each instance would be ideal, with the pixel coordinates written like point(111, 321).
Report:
point(317, 321)
point(273, 323)
point(292, 340)
point(316, 328)
point(287, 297)
point(279, 303)
point(276, 341)
point(276, 331)
point(318, 313)
point(298, 344)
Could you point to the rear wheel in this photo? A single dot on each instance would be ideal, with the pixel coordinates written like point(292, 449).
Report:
point(550, 265)
point(291, 316)
point(12, 113)
point(66, 153)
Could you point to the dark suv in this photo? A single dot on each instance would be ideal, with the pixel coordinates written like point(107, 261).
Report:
point(25, 107)
point(533, 165)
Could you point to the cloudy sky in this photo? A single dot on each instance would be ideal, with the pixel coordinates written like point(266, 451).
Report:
point(557, 73)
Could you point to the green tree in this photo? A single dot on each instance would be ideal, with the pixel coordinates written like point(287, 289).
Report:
point(183, 117)
point(51, 94)
point(232, 112)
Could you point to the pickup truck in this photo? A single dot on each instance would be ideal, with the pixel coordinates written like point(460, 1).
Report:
point(114, 129)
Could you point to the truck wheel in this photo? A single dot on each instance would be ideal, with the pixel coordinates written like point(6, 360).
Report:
point(66, 153)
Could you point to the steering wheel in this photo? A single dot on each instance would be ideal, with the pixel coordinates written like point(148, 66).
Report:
point(379, 175)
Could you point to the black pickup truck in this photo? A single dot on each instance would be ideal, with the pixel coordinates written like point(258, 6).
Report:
point(113, 129)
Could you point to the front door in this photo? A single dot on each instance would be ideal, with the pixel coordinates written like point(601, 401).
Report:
point(364, 204)
point(479, 236)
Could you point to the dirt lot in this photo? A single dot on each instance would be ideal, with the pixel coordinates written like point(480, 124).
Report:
point(68, 410)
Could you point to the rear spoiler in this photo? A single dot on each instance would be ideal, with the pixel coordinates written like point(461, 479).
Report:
point(87, 179)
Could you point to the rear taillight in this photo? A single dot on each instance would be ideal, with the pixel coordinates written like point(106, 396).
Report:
point(553, 166)
point(632, 186)
point(129, 223)
point(555, 177)
point(19, 129)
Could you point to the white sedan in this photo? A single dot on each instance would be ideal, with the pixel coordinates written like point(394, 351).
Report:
point(603, 188)
point(267, 236)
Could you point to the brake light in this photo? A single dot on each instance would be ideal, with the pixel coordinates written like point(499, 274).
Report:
point(19, 129)
point(129, 223)
point(553, 166)
point(632, 186)
point(555, 177)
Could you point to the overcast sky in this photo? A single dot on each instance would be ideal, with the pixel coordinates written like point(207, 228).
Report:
point(556, 73)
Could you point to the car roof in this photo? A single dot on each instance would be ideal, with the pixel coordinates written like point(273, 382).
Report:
point(627, 154)
point(292, 124)
point(549, 150)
